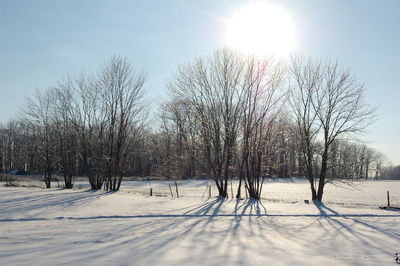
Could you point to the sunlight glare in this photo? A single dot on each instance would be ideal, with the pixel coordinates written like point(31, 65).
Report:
point(262, 29)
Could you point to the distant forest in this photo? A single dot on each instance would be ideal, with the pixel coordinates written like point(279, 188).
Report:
point(225, 116)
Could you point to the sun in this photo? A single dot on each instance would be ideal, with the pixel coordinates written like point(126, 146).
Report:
point(261, 28)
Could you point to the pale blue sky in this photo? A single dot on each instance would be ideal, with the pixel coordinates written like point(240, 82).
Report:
point(41, 41)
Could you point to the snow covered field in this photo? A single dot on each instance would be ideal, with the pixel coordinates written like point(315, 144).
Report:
point(81, 227)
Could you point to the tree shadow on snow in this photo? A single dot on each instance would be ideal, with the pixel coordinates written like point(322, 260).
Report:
point(190, 230)
point(195, 231)
point(354, 227)
point(48, 200)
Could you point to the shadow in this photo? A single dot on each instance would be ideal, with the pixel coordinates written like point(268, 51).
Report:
point(45, 200)
point(197, 216)
point(391, 209)
point(350, 230)
point(209, 208)
point(217, 232)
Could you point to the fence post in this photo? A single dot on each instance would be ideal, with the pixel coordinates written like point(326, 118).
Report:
point(170, 190)
point(209, 192)
point(176, 187)
point(151, 192)
point(388, 199)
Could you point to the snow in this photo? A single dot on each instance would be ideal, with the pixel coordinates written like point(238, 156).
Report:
point(60, 227)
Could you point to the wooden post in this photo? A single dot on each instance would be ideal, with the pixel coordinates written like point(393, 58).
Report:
point(205, 190)
point(388, 198)
point(176, 187)
point(151, 192)
point(170, 190)
point(209, 192)
point(232, 190)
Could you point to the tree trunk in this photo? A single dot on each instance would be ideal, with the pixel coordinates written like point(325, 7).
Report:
point(238, 194)
point(313, 191)
point(322, 175)
point(320, 190)
point(222, 193)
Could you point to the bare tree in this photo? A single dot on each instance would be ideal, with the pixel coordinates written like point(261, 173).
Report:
point(88, 123)
point(181, 145)
point(329, 103)
point(305, 79)
point(261, 105)
point(38, 111)
point(121, 93)
point(352, 160)
point(213, 89)
point(341, 110)
point(63, 122)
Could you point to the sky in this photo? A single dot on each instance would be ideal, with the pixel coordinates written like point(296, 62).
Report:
point(43, 41)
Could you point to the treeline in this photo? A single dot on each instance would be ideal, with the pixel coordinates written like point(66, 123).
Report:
point(226, 116)
point(391, 172)
point(88, 125)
